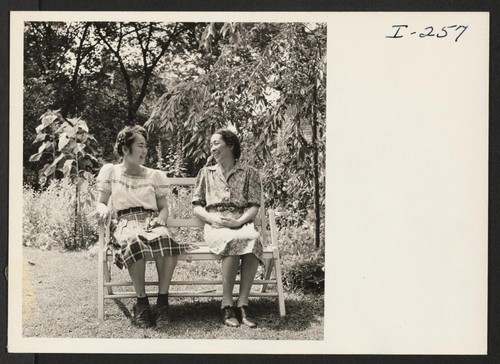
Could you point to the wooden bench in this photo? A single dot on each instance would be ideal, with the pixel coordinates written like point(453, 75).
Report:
point(271, 260)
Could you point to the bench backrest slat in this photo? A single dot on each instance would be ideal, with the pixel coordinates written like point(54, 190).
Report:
point(182, 181)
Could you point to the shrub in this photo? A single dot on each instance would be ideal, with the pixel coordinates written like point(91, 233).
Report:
point(303, 264)
point(49, 218)
point(308, 277)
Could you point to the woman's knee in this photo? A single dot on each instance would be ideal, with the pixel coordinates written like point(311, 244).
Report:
point(166, 260)
point(250, 257)
point(136, 266)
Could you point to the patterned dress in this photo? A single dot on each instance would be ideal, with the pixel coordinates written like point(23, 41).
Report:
point(131, 236)
point(230, 196)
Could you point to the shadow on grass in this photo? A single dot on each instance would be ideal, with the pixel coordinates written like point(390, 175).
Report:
point(194, 315)
point(123, 308)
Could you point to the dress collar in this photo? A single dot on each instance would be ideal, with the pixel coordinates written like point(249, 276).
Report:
point(143, 170)
point(216, 168)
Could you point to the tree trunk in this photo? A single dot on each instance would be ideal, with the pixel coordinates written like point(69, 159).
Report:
point(317, 207)
point(75, 231)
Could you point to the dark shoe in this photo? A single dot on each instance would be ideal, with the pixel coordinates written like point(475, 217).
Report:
point(228, 317)
point(245, 317)
point(142, 316)
point(162, 317)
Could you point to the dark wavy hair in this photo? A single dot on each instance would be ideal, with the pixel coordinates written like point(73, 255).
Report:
point(232, 140)
point(126, 137)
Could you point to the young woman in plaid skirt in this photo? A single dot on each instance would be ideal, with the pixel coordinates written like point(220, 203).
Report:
point(137, 194)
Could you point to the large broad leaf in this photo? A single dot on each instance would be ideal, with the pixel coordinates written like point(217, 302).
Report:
point(45, 146)
point(50, 171)
point(59, 158)
point(64, 127)
point(71, 146)
point(40, 138)
point(79, 148)
point(72, 131)
point(52, 168)
point(73, 121)
point(63, 141)
point(83, 125)
point(39, 128)
point(48, 118)
point(67, 166)
point(35, 157)
point(84, 163)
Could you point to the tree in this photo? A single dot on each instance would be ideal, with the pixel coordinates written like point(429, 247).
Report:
point(154, 41)
point(107, 73)
point(268, 81)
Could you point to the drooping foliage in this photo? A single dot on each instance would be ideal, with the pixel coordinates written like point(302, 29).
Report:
point(268, 82)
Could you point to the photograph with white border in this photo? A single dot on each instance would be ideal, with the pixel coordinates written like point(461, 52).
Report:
point(373, 171)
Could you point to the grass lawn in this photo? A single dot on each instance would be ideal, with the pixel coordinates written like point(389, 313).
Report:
point(60, 300)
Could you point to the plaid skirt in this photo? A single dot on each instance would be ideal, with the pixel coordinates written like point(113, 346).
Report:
point(132, 239)
point(240, 241)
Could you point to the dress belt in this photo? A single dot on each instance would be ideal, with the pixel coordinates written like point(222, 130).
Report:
point(221, 208)
point(132, 210)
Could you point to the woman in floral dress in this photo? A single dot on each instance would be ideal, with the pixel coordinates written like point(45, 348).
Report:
point(227, 199)
point(138, 195)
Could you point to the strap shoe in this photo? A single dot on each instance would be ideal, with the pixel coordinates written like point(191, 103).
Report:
point(245, 317)
point(228, 317)
point(142, 316)
point(162, 317)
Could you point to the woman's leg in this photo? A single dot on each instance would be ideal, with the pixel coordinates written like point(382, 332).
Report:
point(165, 267)
point(249, 265)
point(137, 273)
point(142, 313)
point(230, 265)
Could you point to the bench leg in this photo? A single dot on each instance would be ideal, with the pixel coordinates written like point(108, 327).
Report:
point(100, 289)
point(107, 276)
point(267, 275)
point(279, 286)
point(103, 276)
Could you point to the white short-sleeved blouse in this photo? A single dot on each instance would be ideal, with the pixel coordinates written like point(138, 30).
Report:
point(132, 191)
